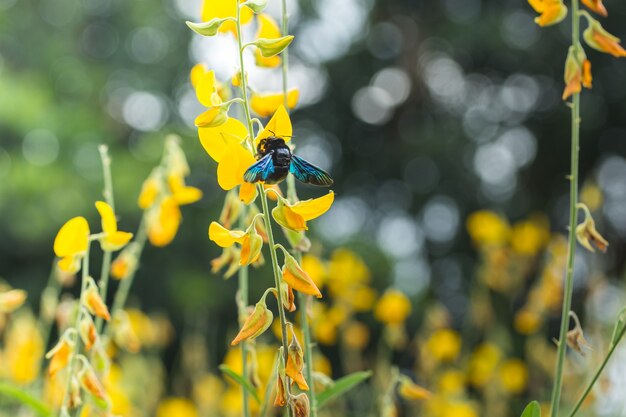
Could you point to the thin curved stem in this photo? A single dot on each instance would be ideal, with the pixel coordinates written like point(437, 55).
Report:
point(108, 197)
point(567, 294)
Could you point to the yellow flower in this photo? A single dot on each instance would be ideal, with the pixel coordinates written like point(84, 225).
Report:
point(71, 243)
point(527, 321)
point(444, 345)
point(315, 268)
point(183, 194)
point(267, 29)
point(488, 228)
point(514, 376)
point(113, 239)
point(393, 307)
point(212, 9)
point(207, 391)
point(459, 409)
point(591, 196)
point(176, 407)
point(297, 278)
point(577, 72)
point(23, 350)
point(451, 382)
point(294, 216)
point(279, 125)
point(126, 263)
point(94, 303)
point(251, 242)
point(552, 11)
point(356, 335)
point(150, 190)
point(529, 236)
point(596, 6)
point(603, 41)
point(163, 222)
point(268, 103)
point(295, 362)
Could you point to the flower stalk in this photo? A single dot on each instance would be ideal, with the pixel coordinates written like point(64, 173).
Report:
point(573, 211)
point(108, 197)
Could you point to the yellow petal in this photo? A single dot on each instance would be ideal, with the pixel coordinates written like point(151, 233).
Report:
point(215, 116)
point(69, 264)
point(271, 103)
point(251, 246)
point(224, 237)
point(225, 8)
point(73, 237)
point(163, 225)
point(247, 192)
point(288, 218)
point(115, 241)
point(234, 162)
point(216, 139)
point(205, 88)
point(310, 209)
point(268, 29)
point(196, 74)
point(183, 194)
point(149, 192)
point(109, 223)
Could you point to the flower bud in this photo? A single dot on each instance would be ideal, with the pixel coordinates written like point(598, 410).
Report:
point(411, 391)
point(271, 47)
point(281, 398)
point(256, 323)
point(287, 296)
point(587, 234)
point(575, 337)
point(60, 354)
point(90, 383)
point(87, 332)
point(577, 71)
point(74, 399)
point(598, 38)
point(250, 246)
point(300, 406)
point(94, 303)
point(295, 362)
point(297, 278)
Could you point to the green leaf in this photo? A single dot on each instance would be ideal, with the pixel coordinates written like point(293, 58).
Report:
point(532, 410)
point(620, 326)
point(257, 6)
point(209, 28)
point(239, 379)
point(25, 398)
point(341, 386)
point(271, 47)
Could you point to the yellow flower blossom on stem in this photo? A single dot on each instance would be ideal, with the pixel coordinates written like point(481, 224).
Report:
point(294, 216)
point(444, 345)
point(411, 391)
point(587, 234)
point(393, 307)
point(71, 243)
point(59, 355)
point(94, 302)
point(295, 362)
point(176, 407)
point(296, 277)
point(11, 300)
point(514, 376)
point(267, 29)
point(232, 165)
point(113, 239)
point(577, 71)
point(256, 324)
point(215, 140)
point(267, 104)
point(212, 9)
point(598, 38)
point(163, 222)
point(552, 11)
point(251, 242)
point(488, 228)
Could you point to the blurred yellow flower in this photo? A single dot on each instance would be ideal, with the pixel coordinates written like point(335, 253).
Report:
point(212, 9)
point(411, 391)
point(527, 321)
point(444, 345)
point(23, 350)
point(267, 104)
point(176, 407)
point(514, 376)
point(459, 409)
point(315, 268)
point(362, 299)
point(591, 196)
point(207, 392)
point(552, 11)
point(113, 239)
point(11, 300)
point(451, 382)
point(483, 363)
point(71, 243)
point(59, 355)
point(393, 307)
point(488, 228)
point(163, 222)
point(530, 236)
point(356, 335)
point(596, 6)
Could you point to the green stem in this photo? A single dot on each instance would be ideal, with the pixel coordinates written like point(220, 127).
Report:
point(243, 271)
point(25, 398)
point(108, 197)
point(79, 313)
point(124, 289)
point(276, 269)
point(567, 294)
point(597, 374)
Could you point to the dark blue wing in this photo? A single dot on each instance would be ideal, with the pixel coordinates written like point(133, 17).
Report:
point(309, 173)
point(260, 170)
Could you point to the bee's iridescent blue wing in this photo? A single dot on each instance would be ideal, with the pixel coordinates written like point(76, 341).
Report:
point(260, 170)
point(309, 173)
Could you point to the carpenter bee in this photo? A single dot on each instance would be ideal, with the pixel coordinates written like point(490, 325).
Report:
point(275, 161)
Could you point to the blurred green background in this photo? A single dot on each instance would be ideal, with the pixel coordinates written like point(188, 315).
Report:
point(423, 111)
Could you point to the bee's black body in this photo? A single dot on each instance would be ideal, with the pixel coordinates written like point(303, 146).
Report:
point(275, 161)
point(281, 157)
